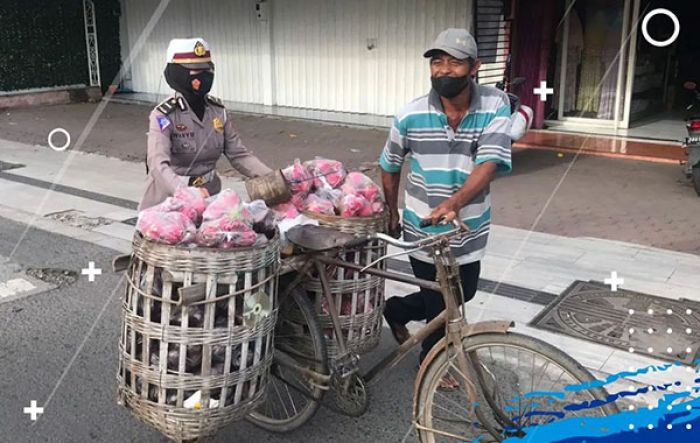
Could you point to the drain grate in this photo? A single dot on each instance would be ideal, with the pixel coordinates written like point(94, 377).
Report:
point(660, 327)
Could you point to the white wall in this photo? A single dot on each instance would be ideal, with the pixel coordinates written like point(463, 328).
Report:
point(310, 54)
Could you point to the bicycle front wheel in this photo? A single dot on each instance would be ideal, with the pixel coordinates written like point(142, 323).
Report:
point(520, 382)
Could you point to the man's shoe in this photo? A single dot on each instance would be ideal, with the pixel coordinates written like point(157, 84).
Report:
point(400, 332)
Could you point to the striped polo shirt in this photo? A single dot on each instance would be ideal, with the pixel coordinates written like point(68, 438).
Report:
point(441, 160)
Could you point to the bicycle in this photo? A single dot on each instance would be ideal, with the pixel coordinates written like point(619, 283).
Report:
point(496, 398)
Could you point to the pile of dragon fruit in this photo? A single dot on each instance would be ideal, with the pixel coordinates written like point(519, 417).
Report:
point(220, 221)
point(323, 186)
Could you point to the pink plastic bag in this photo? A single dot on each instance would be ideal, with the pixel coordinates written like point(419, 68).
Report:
point(209, 234)
point(299, 202)
point(285, 210)
point(319, 205)
point(227, 203)
point(359, 183)
point(170, 228)
point(299, 178)
point(354, 205)
point(225, 232)
point(326, 172)
point(238, 239)
point(193, 202)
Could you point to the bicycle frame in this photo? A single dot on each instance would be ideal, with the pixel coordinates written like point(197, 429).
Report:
point(448, 279)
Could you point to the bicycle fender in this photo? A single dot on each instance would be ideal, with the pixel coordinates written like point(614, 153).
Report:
point(497, 326)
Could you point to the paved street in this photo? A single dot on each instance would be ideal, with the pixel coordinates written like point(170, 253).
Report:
point(58, 341)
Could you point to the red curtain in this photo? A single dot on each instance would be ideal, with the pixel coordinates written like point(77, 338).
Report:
point(533, 39)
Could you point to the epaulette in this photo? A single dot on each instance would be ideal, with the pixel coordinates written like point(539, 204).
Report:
point(167, 106)
point(215, 101)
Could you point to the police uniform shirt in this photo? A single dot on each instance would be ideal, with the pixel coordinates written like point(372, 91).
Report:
point(181, 146)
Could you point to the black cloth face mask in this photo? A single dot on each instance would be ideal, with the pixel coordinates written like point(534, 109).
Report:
point(450, 87)
point(179, 78)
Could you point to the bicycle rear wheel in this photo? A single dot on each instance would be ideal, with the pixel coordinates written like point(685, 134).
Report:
point(291, 398)
point(508, 369)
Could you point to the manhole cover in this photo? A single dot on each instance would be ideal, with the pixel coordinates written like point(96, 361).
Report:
point(57, 277)
point(655, 326)
point(78, 219)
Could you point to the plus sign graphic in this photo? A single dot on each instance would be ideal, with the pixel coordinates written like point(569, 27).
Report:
point(91, 271)
point(33, 410)
point(613, 281)
point(543, 91)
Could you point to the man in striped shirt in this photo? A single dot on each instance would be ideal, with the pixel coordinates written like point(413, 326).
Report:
point(457, 138)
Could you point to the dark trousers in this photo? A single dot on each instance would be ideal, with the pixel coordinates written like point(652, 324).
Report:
point(427, 304)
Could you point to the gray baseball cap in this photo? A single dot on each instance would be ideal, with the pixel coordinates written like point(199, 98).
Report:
point(459, 43)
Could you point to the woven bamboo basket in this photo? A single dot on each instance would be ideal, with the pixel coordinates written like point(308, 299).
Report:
point(358, 298)
point(197, 335)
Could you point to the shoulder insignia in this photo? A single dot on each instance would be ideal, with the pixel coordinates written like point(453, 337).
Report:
point(167, 106)
point(215, 101)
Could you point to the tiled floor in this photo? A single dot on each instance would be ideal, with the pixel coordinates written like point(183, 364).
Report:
point(659, 151)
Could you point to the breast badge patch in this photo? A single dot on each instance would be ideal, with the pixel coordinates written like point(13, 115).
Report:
point(218, 125)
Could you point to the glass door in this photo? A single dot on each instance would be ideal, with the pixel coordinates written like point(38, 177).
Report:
point(592, 62)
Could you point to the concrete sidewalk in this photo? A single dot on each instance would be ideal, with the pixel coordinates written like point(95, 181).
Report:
point(107, 189)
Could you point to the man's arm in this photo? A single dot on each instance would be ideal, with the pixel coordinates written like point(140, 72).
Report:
point(390, 183)
point(479, 179)
point(390, 161)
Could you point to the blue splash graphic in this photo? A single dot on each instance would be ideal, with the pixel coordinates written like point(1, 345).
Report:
point(678, 422)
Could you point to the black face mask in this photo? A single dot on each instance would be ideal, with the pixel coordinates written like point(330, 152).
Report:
point(205, 79)
point(450, 87)
point(179, 78)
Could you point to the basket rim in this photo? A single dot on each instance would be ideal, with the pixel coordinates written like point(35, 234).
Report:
point(139, 239)
point(337, 218)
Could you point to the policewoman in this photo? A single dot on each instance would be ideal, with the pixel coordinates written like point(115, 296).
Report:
point(190, 131)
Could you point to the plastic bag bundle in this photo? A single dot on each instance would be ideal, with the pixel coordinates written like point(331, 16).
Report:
point(319, 205)
point(354, 205)
point(226, 203)
point(299, 178)
point(359, 184)
point(326, 172)
point(237, 239)
point(193, 202)
point(285, 210)
point(168, 228)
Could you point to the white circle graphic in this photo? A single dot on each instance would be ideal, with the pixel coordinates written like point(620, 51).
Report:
point(676, 27)
point(59, 148)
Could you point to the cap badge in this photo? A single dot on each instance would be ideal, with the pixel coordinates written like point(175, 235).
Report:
point(462, 41)
point(199, 49)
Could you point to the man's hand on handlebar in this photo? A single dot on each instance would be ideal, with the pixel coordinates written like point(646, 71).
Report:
point(444, 213)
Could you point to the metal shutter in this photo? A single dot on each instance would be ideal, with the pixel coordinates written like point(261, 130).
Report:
point(493, 38)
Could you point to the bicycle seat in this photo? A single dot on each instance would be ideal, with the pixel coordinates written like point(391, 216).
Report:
point(317, 238)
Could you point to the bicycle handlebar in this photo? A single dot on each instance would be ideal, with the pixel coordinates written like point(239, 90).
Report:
point(459, 227)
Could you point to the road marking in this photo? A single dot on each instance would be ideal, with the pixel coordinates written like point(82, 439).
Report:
point(14, 287)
